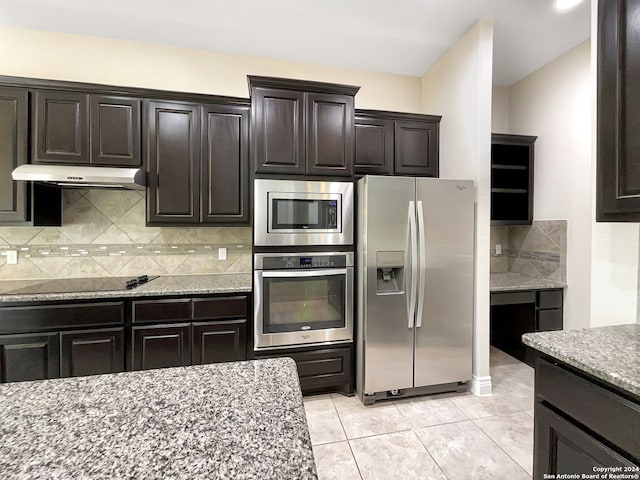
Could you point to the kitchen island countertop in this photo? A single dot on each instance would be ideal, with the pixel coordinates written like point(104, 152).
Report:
point(236, 421)
point(164, 285)
point(611, 354)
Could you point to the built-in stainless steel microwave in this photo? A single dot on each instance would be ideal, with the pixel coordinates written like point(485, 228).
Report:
point(299, 212)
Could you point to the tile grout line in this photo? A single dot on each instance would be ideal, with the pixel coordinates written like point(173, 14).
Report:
point(498, 445)
point(432, 457)
point(347, 439)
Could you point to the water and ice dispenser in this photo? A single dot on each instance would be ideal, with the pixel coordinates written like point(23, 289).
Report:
point(390, 272)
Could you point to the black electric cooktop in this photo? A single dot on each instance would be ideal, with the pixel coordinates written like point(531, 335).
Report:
point(70, 285)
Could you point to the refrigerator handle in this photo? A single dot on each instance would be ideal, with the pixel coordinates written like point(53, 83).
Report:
point(422, 259)
point(413, 235)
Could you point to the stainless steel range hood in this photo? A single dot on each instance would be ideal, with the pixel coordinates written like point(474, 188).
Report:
point(82, 177)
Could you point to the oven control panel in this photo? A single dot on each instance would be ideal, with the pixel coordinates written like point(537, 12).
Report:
point(304, 261)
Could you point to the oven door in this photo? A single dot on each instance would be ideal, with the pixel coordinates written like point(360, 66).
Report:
point(302, 307)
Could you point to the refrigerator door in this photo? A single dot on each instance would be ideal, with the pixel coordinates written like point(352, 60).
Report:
point(444, 321)
point(385, 316)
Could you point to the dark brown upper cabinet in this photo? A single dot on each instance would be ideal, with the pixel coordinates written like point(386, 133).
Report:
point(393, 143)
point(618, 177)
point(330, 134)
point(115, 130)
point(79, 128)
point(172, 134)
point(224, 180)
point(197, 162)
point(277, 127)
point(61, 127)
point(13, 152)
point(416, 148)
point(374, 146)
point(302, 128)
point(512, 161)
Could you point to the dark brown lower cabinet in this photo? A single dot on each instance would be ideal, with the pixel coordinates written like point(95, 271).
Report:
point(564, 448)
point(219, 341)
point(581, 425)
point(161, 346)
point(91, 352)
point(321, 369)
point(29, 357)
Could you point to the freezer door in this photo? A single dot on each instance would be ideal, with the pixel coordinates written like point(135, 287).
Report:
point(385, 322)
point(444, 320)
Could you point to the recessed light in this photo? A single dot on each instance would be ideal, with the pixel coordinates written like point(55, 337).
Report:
point(564, 5)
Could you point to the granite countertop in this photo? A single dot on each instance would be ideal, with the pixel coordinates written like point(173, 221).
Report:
point(505, 282)
point(611, 353)
point(236, 421)
point(163, 285)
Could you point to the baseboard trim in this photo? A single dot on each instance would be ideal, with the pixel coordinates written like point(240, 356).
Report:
point(481, 385)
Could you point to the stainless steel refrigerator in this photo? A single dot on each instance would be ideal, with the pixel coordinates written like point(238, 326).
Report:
point(415, 285)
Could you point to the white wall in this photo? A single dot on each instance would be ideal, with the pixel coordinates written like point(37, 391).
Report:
point(500, 110)
point(81, 58)
point(554, 103)
point(458, 87)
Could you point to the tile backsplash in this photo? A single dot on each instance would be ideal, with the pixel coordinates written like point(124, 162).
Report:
point(538, 250)
point(104, 234)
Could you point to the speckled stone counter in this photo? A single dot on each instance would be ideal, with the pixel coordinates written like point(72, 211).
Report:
point(236, 421)
point(611, 354)
point(505, 282)
point(164, 285)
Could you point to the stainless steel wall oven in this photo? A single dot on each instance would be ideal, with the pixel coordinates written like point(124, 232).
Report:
point(302, 299)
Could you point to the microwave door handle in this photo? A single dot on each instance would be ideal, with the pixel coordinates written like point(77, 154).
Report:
point(303, 273)
point(413, 234)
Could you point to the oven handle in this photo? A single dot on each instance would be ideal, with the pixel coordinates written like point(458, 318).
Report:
point(304, 273)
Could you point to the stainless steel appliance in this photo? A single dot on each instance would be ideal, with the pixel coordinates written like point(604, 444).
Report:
point(83, 177)
point(302, 299)
point(415, 285)
point(299, 212)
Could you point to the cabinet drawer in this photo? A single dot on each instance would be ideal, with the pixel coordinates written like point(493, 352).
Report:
point(46, 317)
point(549, 299)
point(549, 320)
point(161, 310)
point(585, 401)
point(223, 307)
point(326, 367)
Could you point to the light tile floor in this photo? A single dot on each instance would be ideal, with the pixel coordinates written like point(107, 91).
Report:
point(456, 436)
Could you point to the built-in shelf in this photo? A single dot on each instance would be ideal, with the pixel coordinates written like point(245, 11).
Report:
point(508, 167)
point(509, 190)
point(511, 179)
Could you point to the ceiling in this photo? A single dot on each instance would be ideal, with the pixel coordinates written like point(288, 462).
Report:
point(393, 36)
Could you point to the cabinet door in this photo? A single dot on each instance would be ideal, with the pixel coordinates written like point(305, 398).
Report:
point(219, 341)
point(115, 131)
point(61, 127)
point(277, 130)
point(224, 183)
point(373, 146)
point(161, 346)
point(13, 152)
point(91, 352)
point(560, 447)
point(416, 148)
point(618, 177)
point(173, 162)
point(329, 134)
point(29, 357)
